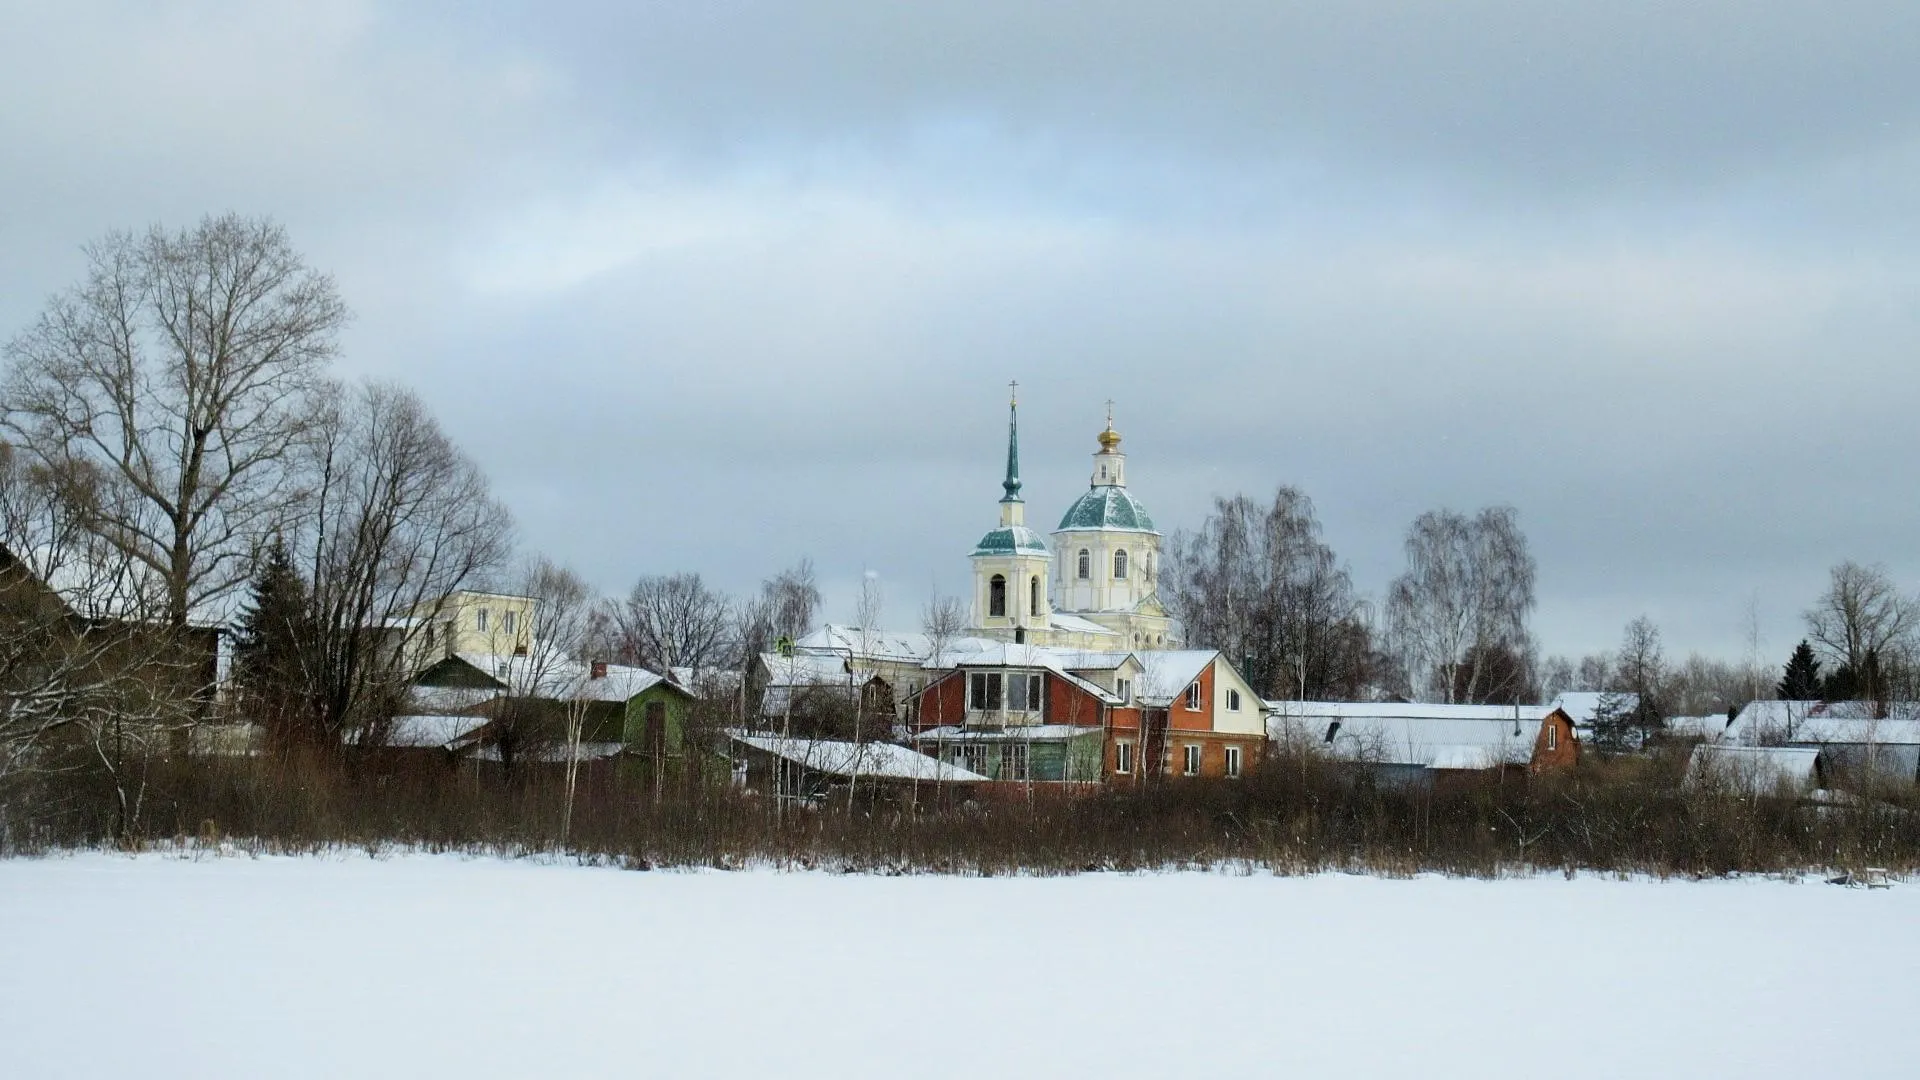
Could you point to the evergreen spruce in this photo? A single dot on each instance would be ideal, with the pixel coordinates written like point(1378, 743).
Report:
point(1801, 680)
point(270, 645)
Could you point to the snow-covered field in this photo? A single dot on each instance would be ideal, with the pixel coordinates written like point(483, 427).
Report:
point(427, 966)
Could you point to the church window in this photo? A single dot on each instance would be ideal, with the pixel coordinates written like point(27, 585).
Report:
point(1086, 564)
point(1033, 595)
point(997, 597)
point(1120, 564)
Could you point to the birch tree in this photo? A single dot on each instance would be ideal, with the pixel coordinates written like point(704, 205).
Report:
point(1459, 613)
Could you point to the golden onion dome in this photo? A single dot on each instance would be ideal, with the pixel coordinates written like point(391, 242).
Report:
point(1109, 439)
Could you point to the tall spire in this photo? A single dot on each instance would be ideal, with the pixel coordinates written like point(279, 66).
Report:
point(1012, 482)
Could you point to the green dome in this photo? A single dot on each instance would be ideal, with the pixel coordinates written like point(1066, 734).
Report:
point(1107, 507)
point(1012, 540)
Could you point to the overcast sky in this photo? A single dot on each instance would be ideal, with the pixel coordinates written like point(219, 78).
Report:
point(712, 286)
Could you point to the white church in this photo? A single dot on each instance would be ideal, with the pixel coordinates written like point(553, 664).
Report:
point(1095, 587)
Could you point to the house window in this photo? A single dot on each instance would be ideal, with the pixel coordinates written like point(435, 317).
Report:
point(1233, 761)
point(1013, 761)
point(997, 597)
point(1033, 595)
point(1026, 692)
point(1193, 697)
point(985, 686)
point(1086, 564)
point(1233, 701)
point(1124, 687)
point(1123, 757)
point(1120, 564)
point(507, 621)
point(480, 620)
point(1553, 735)
point(1193, 759)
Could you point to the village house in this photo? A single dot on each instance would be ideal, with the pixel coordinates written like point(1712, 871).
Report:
point(1415, 745)
point(1864, 744)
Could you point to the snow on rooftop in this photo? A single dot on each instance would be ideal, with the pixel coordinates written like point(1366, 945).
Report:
point(1754, 770)
point(1824, 722)
point(1166, 673)
point(877, 760)
point(1432, 736)
point(420, 732)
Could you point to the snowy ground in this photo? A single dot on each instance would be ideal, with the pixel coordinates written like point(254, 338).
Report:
point(437, 966)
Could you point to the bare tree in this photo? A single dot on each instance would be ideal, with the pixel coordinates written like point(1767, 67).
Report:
point(89, 683)
point(673, 621)
point(1259, 583)
point(400, 520)
point(1462, 606)
point(1865, 626)
point(167, 390)
point(942, 620)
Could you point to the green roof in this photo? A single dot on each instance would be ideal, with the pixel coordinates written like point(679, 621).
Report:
point(1016, 540)
point(1107, 507)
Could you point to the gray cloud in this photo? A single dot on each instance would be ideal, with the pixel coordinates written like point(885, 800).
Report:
point(714, 286)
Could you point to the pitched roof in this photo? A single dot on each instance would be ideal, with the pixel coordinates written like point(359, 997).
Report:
point(1166, 673)
point(420, 732)
point(876, 760)
point(1432, 736)
point(1582, 705)
point(1754, 770)
point(1850, 722)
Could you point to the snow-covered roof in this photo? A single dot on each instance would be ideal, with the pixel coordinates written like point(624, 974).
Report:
point(1045, 658)
point(1166, 673)
point(1754, 770)
point(1711, 726)
point(876, 760)
point(1107, 507)
point(1824, 722)
point(1076, 625)
point(1341, 710)
point(1433, 736)
point(806, 669)
point(416, 732)
point(902, 647)
point(446, 700)
point(1581, 705)
point(553, 676)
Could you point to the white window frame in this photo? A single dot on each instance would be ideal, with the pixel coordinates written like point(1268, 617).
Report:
point(1123, 688)
point(1233, 700)
point(1015, 761)
point(1193, 696)
point(983, 687)
point(1553, 735)
point(1192, 758)
point(1233, 762)
point(1120, 565)
point(1123, 757)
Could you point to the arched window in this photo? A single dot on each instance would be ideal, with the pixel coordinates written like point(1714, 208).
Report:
point(1033, 595)
point(1120, 563)
point(1086, 564)
point(997, 596)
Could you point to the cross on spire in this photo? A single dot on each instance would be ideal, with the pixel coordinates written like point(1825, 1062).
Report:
point(1109, 412)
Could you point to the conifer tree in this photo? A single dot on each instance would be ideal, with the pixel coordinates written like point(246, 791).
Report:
point(271, 643)
point(1801, 679)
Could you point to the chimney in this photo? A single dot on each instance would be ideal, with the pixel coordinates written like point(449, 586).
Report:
point(598, 670)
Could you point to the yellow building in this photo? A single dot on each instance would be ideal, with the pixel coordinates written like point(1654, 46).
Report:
point(482, 623)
